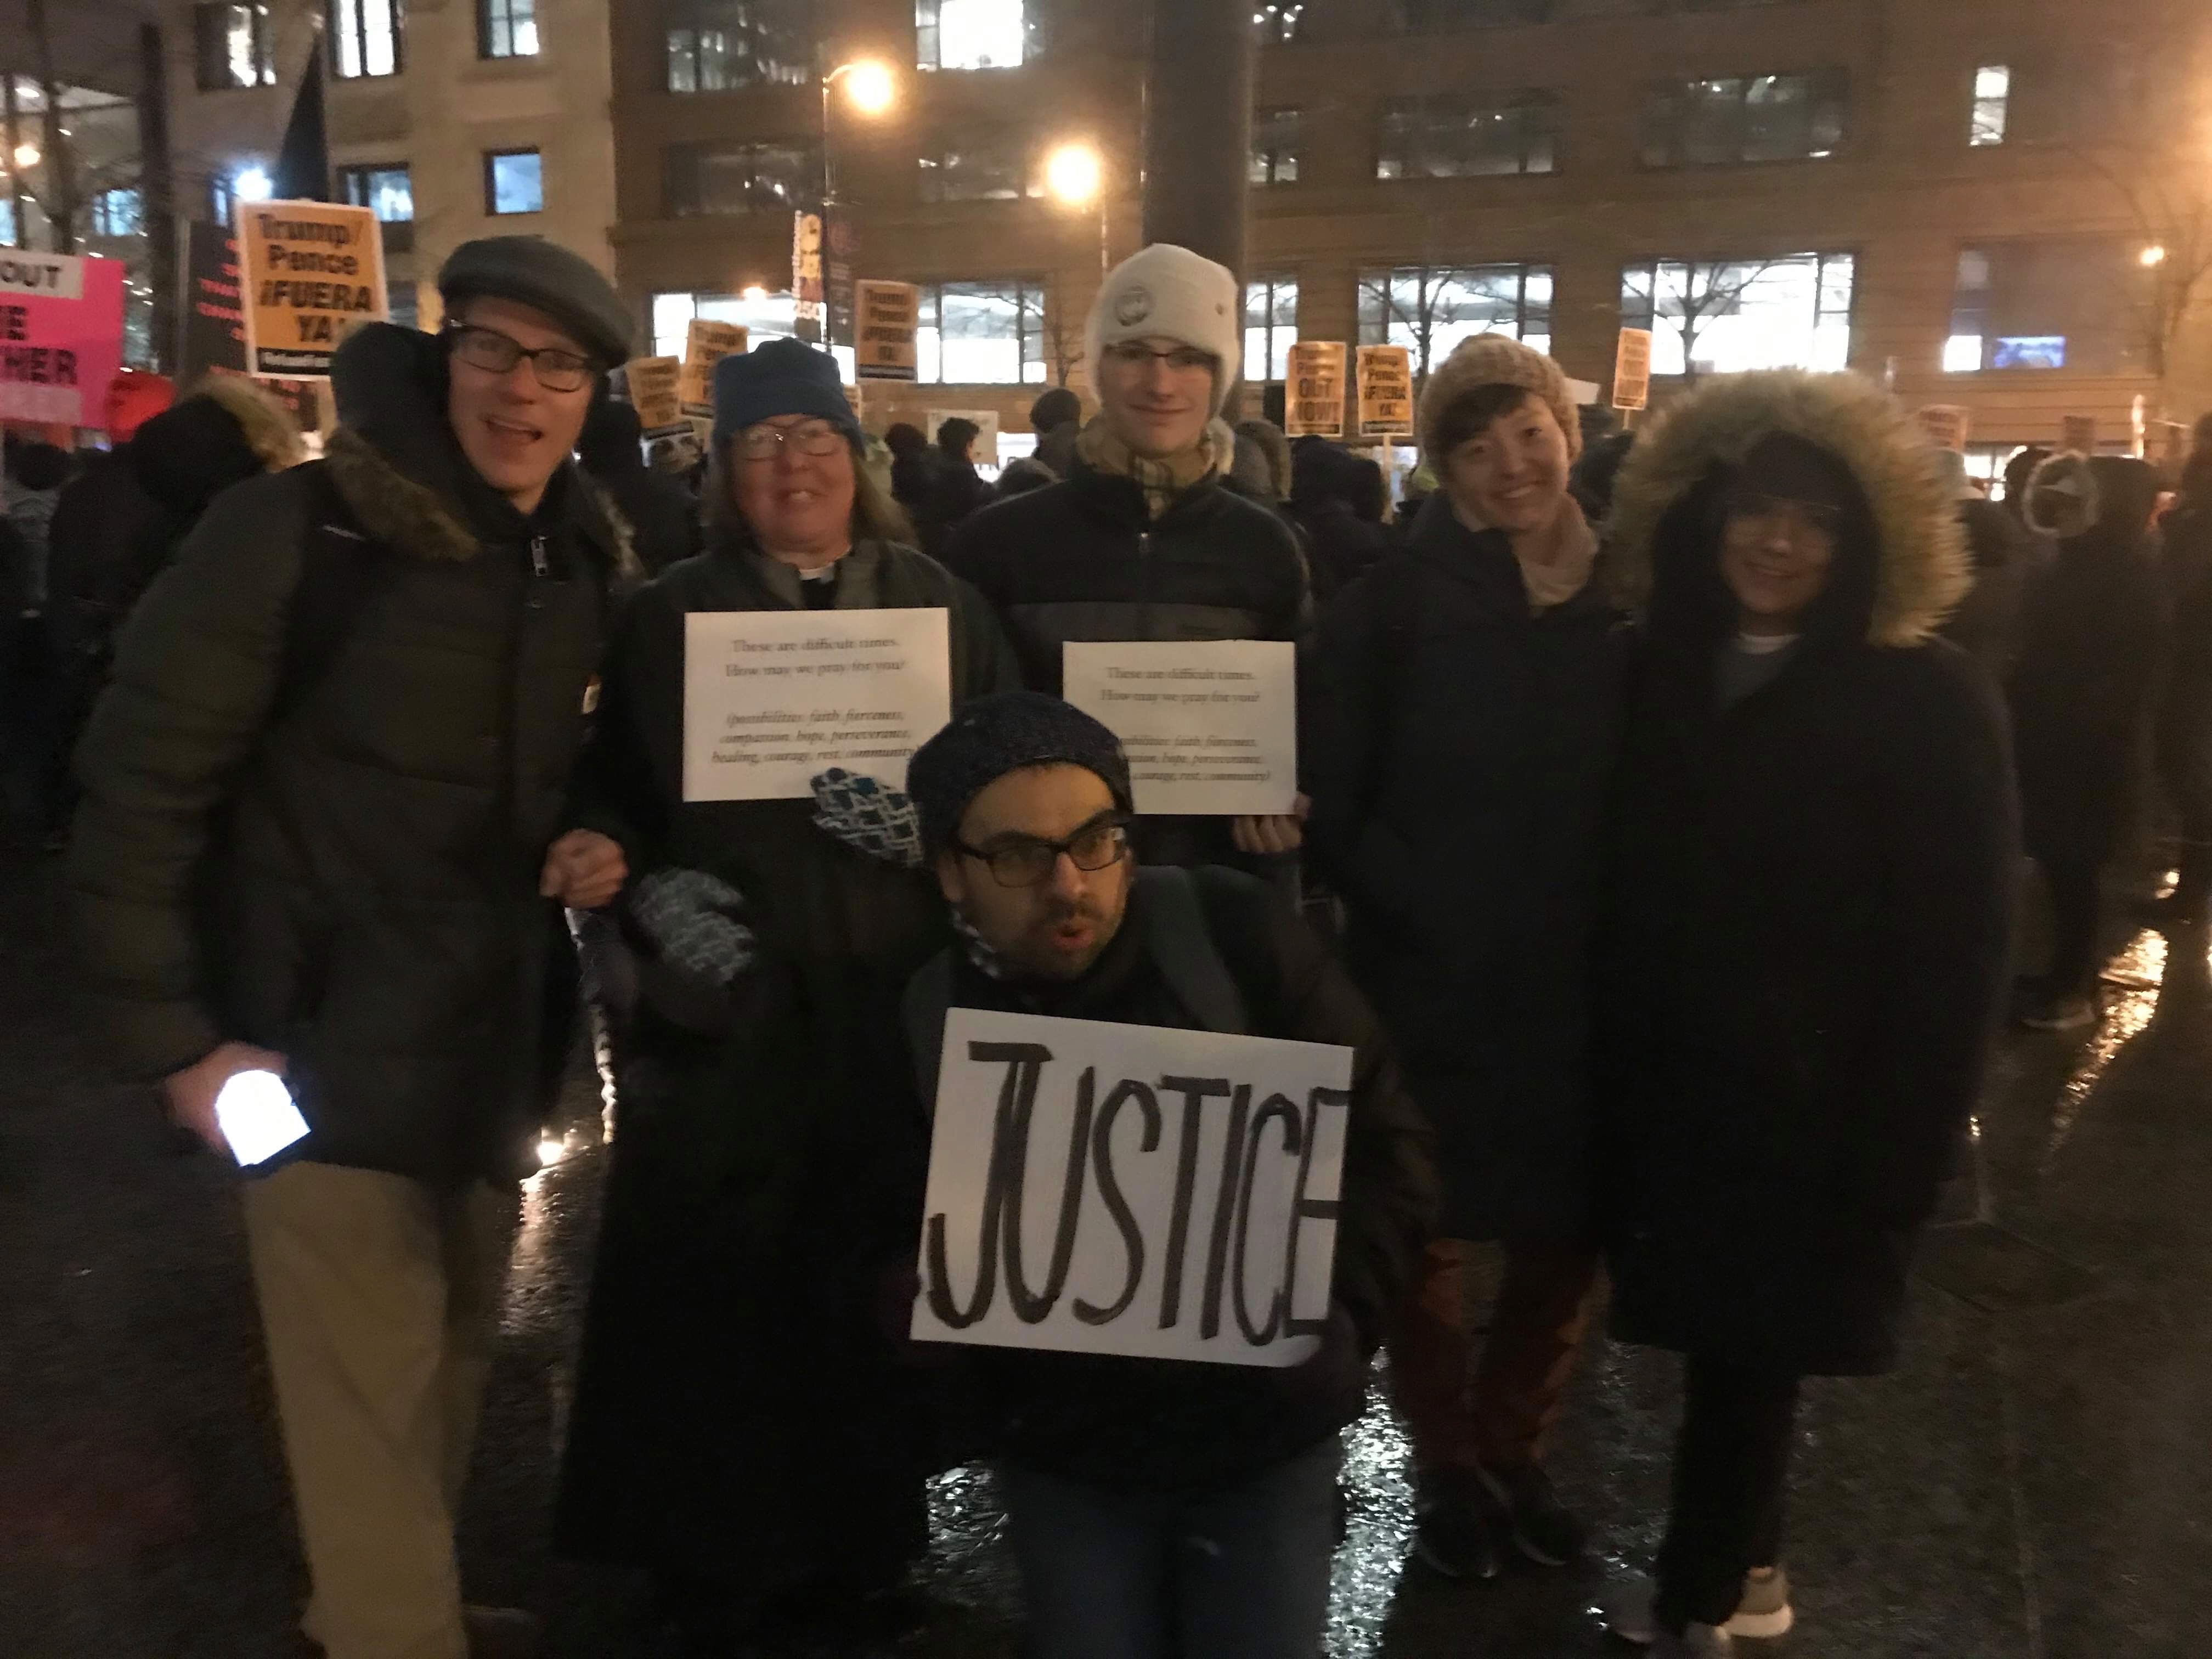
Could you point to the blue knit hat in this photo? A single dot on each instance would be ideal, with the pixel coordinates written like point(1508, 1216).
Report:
point(1002, 733)
point(783, 377)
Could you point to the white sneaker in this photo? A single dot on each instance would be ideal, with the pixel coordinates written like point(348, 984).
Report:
point(1763, 1613)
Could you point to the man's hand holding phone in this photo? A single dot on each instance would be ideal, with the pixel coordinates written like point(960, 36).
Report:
point(191, 1093)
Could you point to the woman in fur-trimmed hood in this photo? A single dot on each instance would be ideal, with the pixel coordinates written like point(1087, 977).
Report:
point(1806, 932)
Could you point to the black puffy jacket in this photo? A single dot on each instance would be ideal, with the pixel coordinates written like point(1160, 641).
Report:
point(339, 860)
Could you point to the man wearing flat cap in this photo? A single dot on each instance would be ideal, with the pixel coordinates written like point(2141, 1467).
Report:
point(321, 837)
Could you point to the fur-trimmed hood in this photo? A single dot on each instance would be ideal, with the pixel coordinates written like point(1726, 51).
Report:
point(1920, 566)
point(398, 467)
point(264, 424)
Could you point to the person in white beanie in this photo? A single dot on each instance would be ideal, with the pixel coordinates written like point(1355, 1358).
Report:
point(1142, 541)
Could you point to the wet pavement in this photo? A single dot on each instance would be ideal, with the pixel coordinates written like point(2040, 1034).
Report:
point(2035, 1483)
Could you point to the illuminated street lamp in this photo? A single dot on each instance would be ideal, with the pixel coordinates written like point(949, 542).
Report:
point(26, 155)
point(870, 89)
point(1075, 177)
point(252, 185)
point(2151, 258)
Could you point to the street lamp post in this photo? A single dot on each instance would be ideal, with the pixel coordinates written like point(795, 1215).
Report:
point(872, 91)
point(1075, 175)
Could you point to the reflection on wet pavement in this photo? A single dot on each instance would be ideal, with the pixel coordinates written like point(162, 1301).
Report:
point(2030, 1485)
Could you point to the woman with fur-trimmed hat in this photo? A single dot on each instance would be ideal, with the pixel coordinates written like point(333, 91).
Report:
point(1460, 739)
point(1806, 933)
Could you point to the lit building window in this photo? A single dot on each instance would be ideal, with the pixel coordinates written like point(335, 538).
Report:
point(1277, 135)
point(2071, 302)
point(1430, 309)
point(714, 45)
point(114, 213)
point(365, 38)
point(1276, 23)
point(514, 181)
point(971, 35)
point(1453, 138)
point(507, 28)
point(764, 315)
point(1271, 324)
point(772, 177)
point(1992, 96)
point(1729, 316)
point(989, 333)
point(388, 190)
point(230, 47)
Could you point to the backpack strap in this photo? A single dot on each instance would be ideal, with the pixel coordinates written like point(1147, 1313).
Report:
point(339, 568)
point(1183, 948)
point(922, 1010)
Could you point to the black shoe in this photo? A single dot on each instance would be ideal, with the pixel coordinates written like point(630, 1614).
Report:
point(1453, 1533)
point(1543, 1528)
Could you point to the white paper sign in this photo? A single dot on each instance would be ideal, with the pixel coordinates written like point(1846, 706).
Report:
point(1211, 726)
point(773, 698)
point(1125, 1189)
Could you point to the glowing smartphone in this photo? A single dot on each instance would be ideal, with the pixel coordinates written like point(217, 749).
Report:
point(257, 1117)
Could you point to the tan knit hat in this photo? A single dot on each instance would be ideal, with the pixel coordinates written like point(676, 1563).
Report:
point(1494, 360)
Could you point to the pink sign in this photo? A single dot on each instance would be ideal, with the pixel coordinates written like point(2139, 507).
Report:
point(61, 336)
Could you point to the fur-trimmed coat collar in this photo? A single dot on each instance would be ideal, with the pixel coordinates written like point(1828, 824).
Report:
point(1922, 565)
point(413, 518)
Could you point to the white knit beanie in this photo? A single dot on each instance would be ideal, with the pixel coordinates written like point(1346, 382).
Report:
point(1171, 292)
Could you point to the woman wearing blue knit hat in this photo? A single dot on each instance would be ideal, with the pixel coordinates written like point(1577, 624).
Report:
point(744, 1427)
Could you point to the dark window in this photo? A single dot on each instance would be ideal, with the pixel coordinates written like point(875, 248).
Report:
point(1430, 309)
point(367, 38)
point(987, 333)
point(704, 178)
point(1439, 16)
point(1449, 136)
point(1277, 139)
point(2060, 303)
point(1753, 117)
point(1276, 22)
point(507, 28)
point(514, 181)
point(404, 310)
point(387, 187)
point(230, 47)
point(991, 164)
point(714, 45)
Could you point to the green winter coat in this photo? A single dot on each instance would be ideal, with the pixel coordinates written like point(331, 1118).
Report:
point(330, 846)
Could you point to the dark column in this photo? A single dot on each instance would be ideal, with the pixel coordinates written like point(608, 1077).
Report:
point(61, 202)
point(1197, 126)
point(157, 192)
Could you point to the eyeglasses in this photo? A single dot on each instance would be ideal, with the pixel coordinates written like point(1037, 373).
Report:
point(1029, 861)
point(1784, 512)
point(557, 369)
point(1184, 360)
point(761, 443)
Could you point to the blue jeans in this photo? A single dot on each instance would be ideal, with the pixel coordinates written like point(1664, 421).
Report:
point(1240, 1574)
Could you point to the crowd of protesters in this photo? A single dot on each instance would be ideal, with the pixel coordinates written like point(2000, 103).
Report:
point(1665, 800)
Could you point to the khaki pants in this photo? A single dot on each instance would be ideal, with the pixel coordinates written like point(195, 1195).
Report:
point(380, 1301)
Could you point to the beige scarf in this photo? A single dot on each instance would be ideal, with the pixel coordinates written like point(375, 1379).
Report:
point(1161, 481)
point(1555, 563)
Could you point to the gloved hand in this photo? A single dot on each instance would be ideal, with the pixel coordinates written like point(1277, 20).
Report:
point(863, 814)
point(693, 920)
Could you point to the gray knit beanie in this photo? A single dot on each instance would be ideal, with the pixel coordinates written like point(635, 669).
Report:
point(1002, 733)
point(532, 272)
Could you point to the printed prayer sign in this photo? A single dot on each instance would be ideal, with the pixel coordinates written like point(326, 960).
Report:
point(61, 336)
point(1128, 1189)
point(772, 698)
point(308, 271)
point(1211, 726)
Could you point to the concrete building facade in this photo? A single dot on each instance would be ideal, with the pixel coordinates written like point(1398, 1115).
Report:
point(454, 118)
point(1992, 203)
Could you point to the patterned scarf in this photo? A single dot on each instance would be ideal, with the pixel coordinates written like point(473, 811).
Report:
point(1161, 481)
